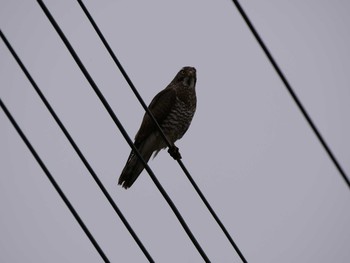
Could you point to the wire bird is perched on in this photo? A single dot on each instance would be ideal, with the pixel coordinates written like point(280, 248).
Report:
point(173, 108)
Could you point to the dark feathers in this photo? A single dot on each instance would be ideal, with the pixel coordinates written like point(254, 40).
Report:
point(173, 108)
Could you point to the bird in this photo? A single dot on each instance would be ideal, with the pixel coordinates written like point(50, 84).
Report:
point(173, 108)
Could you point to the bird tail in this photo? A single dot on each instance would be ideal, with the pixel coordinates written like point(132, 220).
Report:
point(134, 165)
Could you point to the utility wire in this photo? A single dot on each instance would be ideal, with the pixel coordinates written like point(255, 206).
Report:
point(291, 91)
point(54, 183)
point(122, 130)
point(199, 192)
point(76, 148)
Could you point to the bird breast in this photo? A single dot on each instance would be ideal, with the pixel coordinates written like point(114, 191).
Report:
point(179, 118)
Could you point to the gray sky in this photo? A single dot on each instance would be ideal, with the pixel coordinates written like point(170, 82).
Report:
point(248, 148)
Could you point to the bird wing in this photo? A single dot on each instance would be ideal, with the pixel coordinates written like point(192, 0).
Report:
point(160, 107)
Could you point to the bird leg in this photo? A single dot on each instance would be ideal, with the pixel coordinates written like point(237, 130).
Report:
point(174, 152)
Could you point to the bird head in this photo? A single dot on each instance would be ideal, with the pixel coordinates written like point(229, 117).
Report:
point(186, 76)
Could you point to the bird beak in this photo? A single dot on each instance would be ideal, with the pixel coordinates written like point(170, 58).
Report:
point(192, 72)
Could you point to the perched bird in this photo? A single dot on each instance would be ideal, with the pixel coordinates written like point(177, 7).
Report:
point(173, 108)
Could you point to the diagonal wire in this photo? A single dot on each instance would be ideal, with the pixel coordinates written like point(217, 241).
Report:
point(76, 148)
point(54, 183)
point(199, 192)
point(291, 92)
point(122, 130)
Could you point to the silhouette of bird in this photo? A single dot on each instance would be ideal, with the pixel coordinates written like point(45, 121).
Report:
point(173, 108)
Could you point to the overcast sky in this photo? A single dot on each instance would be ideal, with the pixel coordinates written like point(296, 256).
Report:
point(249, 148)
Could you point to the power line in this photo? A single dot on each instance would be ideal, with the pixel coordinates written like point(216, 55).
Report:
point(53, 182)
point(76, 148)
point(199, 192)
point(122, 130)
point(292, 93)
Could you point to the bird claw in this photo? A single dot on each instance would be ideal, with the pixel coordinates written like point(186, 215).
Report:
point(174, 152)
